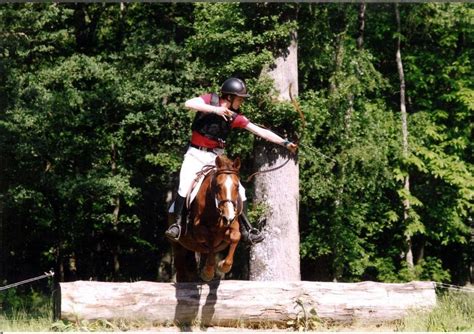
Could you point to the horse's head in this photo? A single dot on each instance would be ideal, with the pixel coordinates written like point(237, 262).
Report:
point(226, 188)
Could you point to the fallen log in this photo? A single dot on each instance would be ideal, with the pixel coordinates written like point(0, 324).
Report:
point(227, 303)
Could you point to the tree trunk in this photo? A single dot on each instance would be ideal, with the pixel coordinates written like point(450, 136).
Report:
point(231, 303)
point(277, 257)
point(403, 111)
point(115, 214)
point(59, 261)
point(471, 267)
point(285, 73)
point(360, 38)
point(360, 43)
point(3, 189)
point(339, 54)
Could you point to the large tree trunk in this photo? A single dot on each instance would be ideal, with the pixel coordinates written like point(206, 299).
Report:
point(230, 303)
point(285, 73)
point(277, 257)
point(403, 111)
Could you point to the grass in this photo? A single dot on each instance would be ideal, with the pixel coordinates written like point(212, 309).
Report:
point(454, 313)
point(29, 313)
point(22, 323)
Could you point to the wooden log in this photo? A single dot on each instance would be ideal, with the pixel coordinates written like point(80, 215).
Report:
point(227, 303)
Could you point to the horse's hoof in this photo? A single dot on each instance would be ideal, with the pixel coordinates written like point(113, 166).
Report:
point(219, 274)
point(223, 268)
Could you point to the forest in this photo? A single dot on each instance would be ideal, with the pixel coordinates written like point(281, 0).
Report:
point(93, 130)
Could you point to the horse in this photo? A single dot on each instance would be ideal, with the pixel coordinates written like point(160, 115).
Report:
point(213, 224)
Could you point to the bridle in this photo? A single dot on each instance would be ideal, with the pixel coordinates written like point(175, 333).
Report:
point(226, 200)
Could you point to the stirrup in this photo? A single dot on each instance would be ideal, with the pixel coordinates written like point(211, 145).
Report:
point(172, 236)
point(255, 236)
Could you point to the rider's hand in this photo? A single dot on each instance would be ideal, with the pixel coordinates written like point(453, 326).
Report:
point(292, 147)
point(224, 112)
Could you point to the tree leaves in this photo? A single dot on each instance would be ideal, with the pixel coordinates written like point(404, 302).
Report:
point(92, 115)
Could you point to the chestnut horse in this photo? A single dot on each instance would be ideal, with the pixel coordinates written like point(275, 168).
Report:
point(214, 224)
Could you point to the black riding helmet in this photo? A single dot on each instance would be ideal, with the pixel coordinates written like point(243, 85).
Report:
point(234, 86)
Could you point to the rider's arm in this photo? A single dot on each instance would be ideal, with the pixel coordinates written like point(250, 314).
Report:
point(271, 136)
point(198, 104)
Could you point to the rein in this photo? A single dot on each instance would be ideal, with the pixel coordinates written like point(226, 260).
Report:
point(204, 171)
point(268, 170)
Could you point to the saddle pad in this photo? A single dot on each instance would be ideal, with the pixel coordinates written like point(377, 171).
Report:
point(193, 191)
point(195, 188)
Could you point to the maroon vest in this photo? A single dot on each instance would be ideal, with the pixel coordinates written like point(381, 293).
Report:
point(212, 126)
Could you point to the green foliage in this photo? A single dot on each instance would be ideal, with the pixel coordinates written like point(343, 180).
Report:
point(243, 45)
point(93, 129)
point(354, 171)
point(431, 269)
point(14, 304)
point(453, 313)
point(347, 173)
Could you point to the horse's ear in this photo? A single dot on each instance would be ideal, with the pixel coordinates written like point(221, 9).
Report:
point(236, 163)
point(218, 161)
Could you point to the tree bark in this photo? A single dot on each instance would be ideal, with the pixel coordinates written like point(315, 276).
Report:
point(403, 112)
point(3, 189)
point(277, 257)
point(338, 58)
point(360, 38)
point(339, 54)
point(471, 267)
point(116, 213)
point(230, 303)
point(285, 73)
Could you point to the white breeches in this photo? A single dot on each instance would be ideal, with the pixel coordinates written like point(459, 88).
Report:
point(194, 161)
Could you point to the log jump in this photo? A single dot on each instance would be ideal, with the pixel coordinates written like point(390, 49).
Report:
point(230, 302)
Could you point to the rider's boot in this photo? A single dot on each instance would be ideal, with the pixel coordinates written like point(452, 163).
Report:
point(174, 231)
point(248, 233)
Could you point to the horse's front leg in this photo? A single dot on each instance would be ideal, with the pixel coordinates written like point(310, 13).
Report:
point(200, 232)
point(234, 235)
point(207, 272)
point(185, 264)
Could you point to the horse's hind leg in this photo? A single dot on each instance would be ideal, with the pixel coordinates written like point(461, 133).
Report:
point(185, 264)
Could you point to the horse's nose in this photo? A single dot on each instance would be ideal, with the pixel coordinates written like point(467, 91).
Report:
point(229, 213)
point(225, 220)
point(228, 219)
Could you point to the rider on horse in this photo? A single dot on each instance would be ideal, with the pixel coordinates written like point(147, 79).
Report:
point(216, 116)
